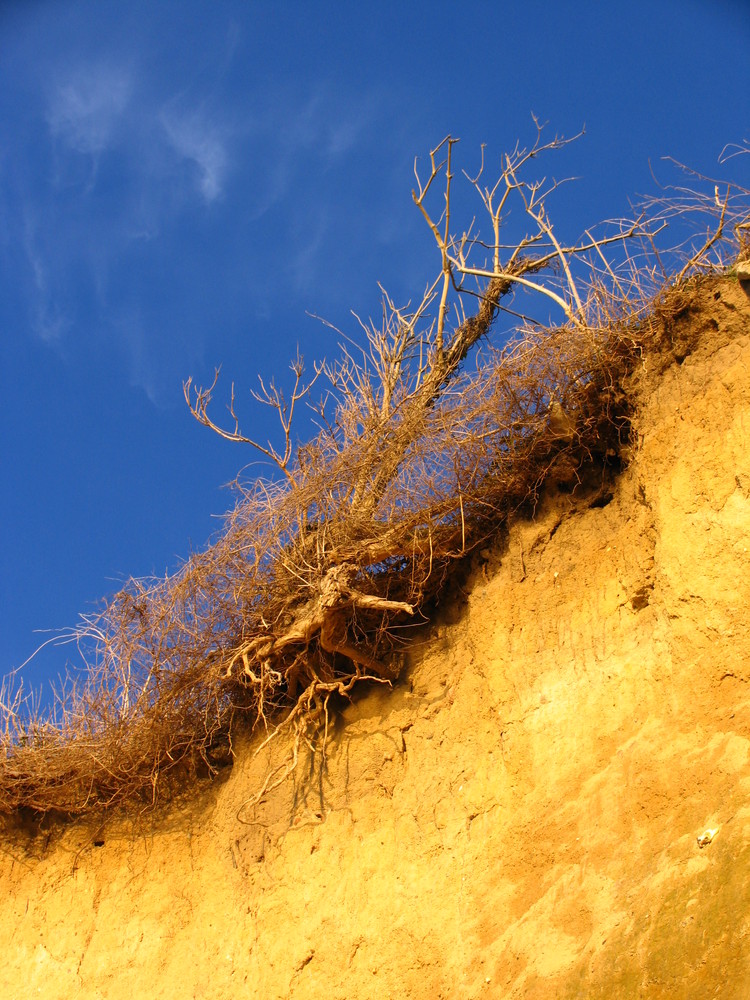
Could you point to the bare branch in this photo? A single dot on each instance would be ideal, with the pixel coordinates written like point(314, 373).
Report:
point(268, 396)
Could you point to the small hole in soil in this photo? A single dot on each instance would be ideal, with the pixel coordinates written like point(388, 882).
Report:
point(603, 499)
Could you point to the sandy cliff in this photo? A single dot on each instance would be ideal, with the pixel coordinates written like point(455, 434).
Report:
point(520, 817)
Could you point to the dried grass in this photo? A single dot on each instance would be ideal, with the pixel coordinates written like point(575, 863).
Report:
point(429, 439)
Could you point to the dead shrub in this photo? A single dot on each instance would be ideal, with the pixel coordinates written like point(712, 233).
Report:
point(430, 435)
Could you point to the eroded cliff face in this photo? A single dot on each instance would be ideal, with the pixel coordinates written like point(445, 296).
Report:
point(520, 816)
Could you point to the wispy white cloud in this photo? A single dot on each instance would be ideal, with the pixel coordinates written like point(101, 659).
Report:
point(318, 132)
point(202, 143)
point(130, 333)
point(47, 319)
point(305, 265)
point(92, 108)
point(49, 323)
point(86, 106)
point(134, 153)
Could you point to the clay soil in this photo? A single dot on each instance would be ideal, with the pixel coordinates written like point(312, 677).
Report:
point(520, 815)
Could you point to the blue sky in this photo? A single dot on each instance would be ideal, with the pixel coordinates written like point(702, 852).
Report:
point(182, 183)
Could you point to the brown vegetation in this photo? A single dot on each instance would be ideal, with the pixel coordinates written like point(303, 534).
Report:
point(430, 435)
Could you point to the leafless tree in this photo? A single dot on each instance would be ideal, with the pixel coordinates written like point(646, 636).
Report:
point(425, 445)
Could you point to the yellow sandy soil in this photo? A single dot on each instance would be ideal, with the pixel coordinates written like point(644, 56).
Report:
point(520, 816)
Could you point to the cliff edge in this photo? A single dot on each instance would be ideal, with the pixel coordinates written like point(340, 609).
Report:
point(553, 802)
